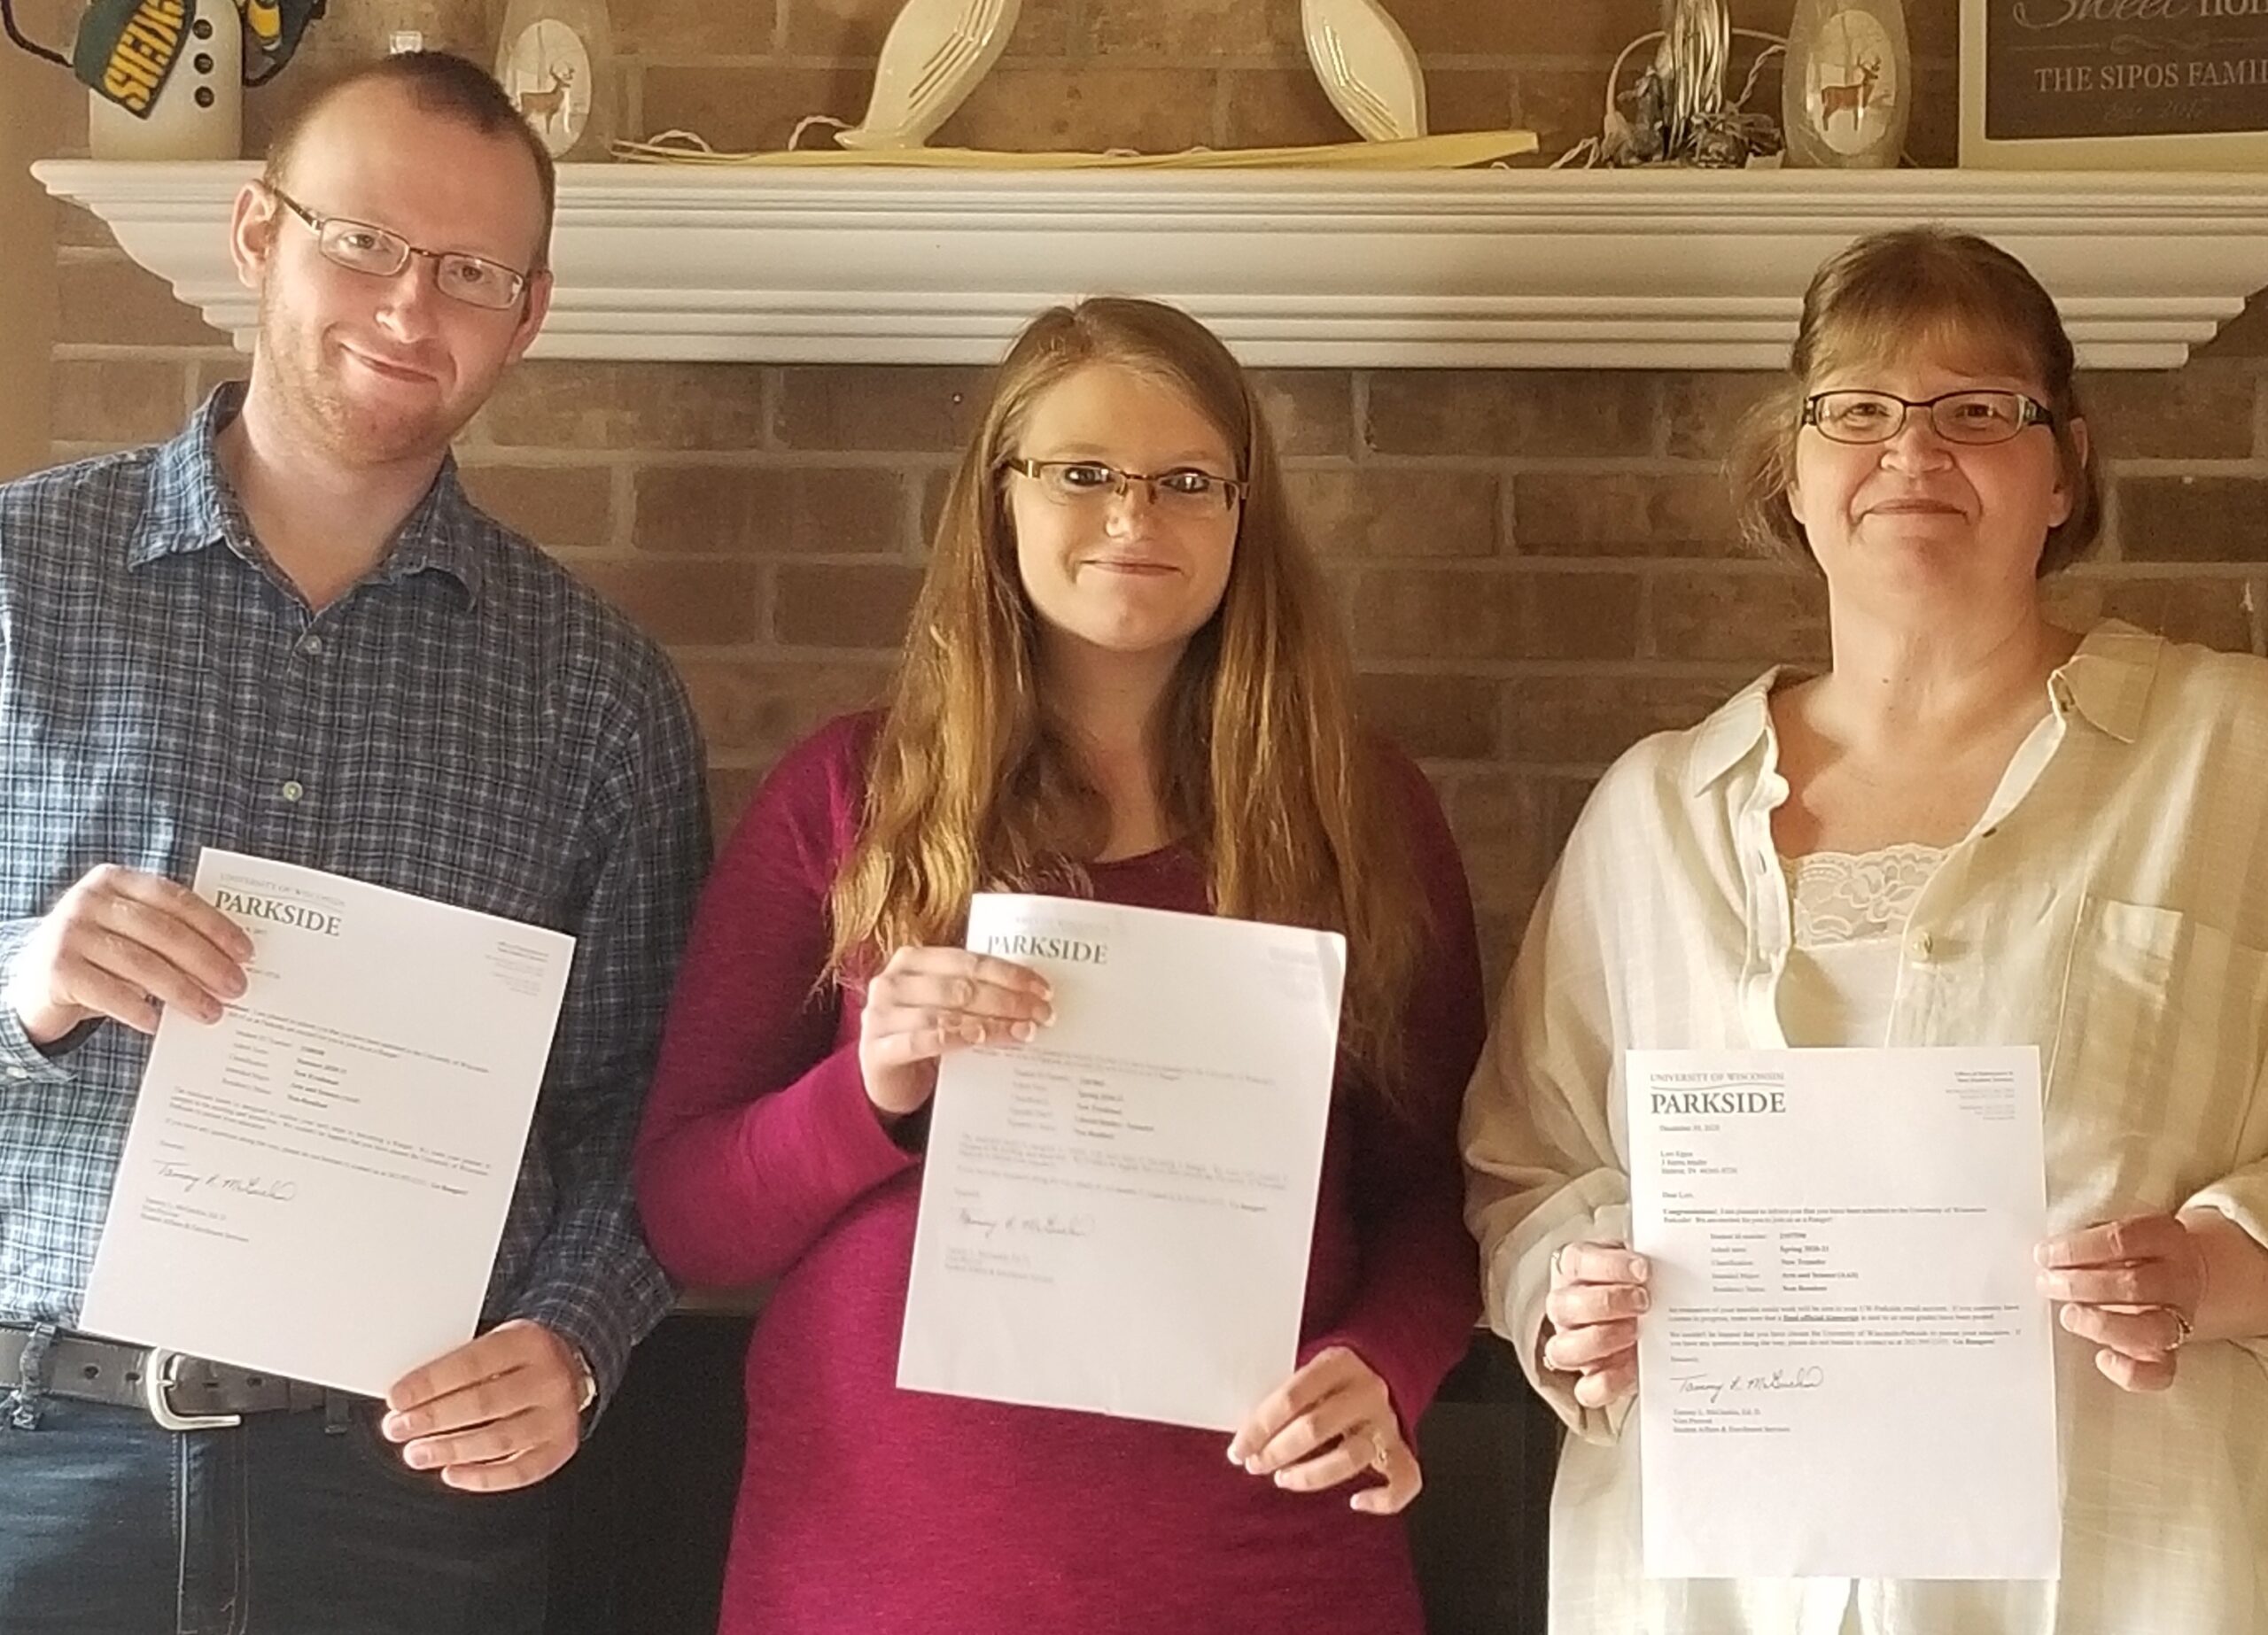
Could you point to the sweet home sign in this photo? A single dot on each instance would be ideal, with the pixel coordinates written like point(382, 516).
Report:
point(2060, 83)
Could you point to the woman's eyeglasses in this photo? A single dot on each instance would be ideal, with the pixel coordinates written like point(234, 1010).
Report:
point(1973, 418)
point(1185, 491)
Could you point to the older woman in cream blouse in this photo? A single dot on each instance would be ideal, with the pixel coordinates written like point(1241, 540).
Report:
point(1975, 828)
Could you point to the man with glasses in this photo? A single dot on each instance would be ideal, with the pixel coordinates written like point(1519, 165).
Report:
point(288, 633)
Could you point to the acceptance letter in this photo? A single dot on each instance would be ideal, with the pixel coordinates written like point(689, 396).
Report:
point(1117, 1216)
point(1846, 1368)
point(315, 1186)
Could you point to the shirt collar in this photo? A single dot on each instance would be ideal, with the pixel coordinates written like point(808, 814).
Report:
point(441, 535)
point(190, 508)
point(2106, 681)
point(1729, 734)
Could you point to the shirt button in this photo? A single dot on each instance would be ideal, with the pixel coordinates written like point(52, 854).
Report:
point(310, 644)
point(293, 790)
point(1918, 945)
point(18, 1072)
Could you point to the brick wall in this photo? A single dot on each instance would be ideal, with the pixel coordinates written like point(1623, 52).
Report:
point(1537, 565)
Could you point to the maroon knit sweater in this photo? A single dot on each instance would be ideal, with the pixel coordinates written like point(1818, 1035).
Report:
point(864, 1509)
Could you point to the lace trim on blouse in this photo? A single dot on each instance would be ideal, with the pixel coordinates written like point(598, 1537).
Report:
point(1857, 896)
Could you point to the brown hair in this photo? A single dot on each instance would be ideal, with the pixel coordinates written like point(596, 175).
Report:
point(1262, 771)
point(438, 82)
point(1895, 294)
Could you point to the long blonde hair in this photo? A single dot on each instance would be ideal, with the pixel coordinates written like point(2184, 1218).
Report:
point(1262, 771)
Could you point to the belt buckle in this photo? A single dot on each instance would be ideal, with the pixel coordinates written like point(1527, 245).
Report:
point(158, 1366)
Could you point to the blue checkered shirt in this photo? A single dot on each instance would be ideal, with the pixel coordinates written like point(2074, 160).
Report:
point(468, 725)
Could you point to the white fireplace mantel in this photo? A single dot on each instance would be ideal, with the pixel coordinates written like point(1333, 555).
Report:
point(1627, 269)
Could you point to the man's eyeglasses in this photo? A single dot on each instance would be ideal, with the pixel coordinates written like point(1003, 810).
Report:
point(361, 248)
point(1974, 418)
point(1185, 491)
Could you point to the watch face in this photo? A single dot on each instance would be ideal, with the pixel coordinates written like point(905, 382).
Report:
point(1851, 82)
point(547, 74)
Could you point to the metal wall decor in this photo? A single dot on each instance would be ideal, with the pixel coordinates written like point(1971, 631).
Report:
point(1680, 112)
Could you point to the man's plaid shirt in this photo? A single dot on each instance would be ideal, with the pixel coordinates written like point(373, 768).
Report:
point(468, 725)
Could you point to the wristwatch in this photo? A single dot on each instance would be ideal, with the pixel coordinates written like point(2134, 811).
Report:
point(589, 1392)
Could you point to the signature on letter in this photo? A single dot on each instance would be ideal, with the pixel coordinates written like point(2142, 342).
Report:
point(989, 1226)
point(268, 1189)
point(1811, 1376)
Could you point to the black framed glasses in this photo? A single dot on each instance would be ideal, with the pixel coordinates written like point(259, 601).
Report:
point(361, 248)
point(1186, 491)
point(1976, 419)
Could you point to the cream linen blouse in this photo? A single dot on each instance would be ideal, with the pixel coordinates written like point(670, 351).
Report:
point(2110, 906)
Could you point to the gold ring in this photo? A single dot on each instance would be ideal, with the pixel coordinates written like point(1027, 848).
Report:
point(2182, 1329)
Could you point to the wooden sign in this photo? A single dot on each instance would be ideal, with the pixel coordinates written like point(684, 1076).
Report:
point(2170, 84)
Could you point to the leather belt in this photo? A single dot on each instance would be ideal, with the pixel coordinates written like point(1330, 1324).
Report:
point(181, 1392)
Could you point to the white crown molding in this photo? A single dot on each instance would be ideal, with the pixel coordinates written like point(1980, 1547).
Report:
point(1494, 269)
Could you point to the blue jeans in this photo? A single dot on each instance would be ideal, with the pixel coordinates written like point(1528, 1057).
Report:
point(290, 1525)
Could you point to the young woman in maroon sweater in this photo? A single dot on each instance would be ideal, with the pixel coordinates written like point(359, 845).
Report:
point(1124, 680)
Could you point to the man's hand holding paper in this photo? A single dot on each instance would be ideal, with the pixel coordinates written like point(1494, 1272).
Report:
point(126, 945)
point(500, 1412)
point(314, 1185)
